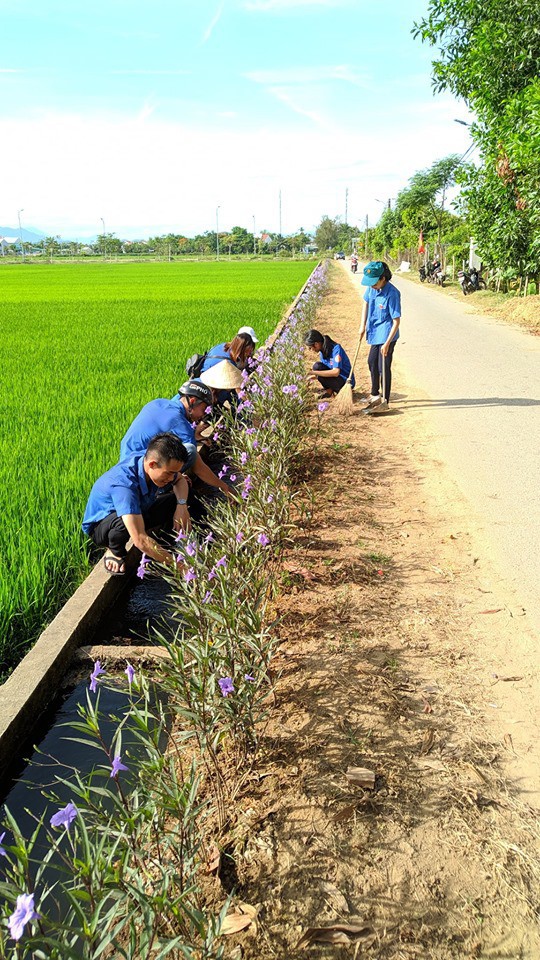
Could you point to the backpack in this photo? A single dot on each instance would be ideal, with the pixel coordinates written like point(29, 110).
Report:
point(194, 365)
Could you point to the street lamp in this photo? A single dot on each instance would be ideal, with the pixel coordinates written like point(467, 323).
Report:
point(463, 123)
point(254, 241)
point(104, 247)
point(217, 232)
point(20, 231)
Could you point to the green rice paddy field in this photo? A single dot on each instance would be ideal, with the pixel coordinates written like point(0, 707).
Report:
point(82, 348)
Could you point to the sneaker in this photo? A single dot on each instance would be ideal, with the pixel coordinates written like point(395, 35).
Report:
point(374, 400)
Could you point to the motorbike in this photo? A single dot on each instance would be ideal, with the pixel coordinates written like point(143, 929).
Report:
point(472, 281)
point(432, 272)
point(354, 265)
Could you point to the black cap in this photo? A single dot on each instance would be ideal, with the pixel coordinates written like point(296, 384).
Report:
point(197, 389)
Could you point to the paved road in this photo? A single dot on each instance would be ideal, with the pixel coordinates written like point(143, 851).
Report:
point(476, 382)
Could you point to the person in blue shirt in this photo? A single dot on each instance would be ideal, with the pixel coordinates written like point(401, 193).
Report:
point(238, 351)
point(333, 366)
point(381, 315)
point(124, 502)
point(180, 416)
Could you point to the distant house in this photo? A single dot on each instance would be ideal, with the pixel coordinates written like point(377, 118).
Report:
point(6, 243)
point(266, 238)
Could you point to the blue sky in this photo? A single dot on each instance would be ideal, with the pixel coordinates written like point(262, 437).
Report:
point(151, 115)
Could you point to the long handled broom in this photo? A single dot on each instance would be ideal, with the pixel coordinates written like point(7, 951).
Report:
point(344, 401)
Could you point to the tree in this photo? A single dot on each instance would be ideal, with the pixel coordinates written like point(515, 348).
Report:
point(427, 193)
point(490, 56)
point(327, 233)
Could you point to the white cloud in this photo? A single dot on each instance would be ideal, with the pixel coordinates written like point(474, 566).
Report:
point(264, 6)
point(284, 96)
point(145, 175)
point(213, 23)
point(303, 75)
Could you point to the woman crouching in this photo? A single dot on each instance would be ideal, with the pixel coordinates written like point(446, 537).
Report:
point(333, 366)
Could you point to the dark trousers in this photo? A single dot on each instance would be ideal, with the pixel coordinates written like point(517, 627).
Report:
point(329, 383)
point(111, 532)
point(375, 368)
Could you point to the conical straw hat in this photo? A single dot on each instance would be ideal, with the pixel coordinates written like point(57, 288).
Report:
point(222, 376)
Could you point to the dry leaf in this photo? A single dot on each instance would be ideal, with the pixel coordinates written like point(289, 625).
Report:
point(361, 777)
point(340, 933)
point(249, 909)
point(234, 922)
point(213, 859)
point(337, 898)
point(508, 742)
point(427, 743)
point(344, 814)
point(496, 610)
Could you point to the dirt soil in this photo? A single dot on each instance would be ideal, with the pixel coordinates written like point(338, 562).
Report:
point(395, 656)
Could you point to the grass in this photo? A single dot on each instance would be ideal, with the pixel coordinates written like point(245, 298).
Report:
point(82, 348)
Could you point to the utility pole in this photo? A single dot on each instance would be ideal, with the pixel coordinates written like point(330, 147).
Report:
point(346, 204)
point(20, 231)
point(366, 240)
point(104, 242)
point(254, 240)
point(217, 233)
point(280, 214)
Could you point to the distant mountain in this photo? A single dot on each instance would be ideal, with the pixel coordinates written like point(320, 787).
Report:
point(29, 236)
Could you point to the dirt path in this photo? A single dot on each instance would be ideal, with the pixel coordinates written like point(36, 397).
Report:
point(396, 656)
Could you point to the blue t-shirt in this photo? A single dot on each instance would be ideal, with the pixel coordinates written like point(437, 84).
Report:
point(216, 355)
point(384, 306)
point(124, 488)
point(338, 361)
point(159, 416)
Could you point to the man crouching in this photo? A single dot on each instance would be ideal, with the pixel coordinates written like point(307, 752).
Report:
point(124, 502)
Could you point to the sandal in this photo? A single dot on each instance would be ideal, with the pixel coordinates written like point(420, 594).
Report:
point(120, 560)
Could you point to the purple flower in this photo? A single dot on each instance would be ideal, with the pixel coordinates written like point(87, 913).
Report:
point(96, 672)
point(248, 676)
point(250, 431)
point(239, 537)
point(190, 575)
point(208, 411)
point(191, 549)
point(290, 388)
point(181, 535)
point(232, 477)
point(24, 912)
point(255, 444)
point(212, 574)
point(270, 498)
point(263, 540)
point(322, 407)
point(65, 816)
point(226, 686)
point(265, 449)
point(208, 539)
point(141, 570)
point(215, 437)
point(130, 673)
point(243, 458)
point(117, 765)
point(2, 851)
point(222, 562)
point(207, 597)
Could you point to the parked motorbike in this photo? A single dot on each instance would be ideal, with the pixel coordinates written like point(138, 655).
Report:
point(471, 282)
point(432, 272)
